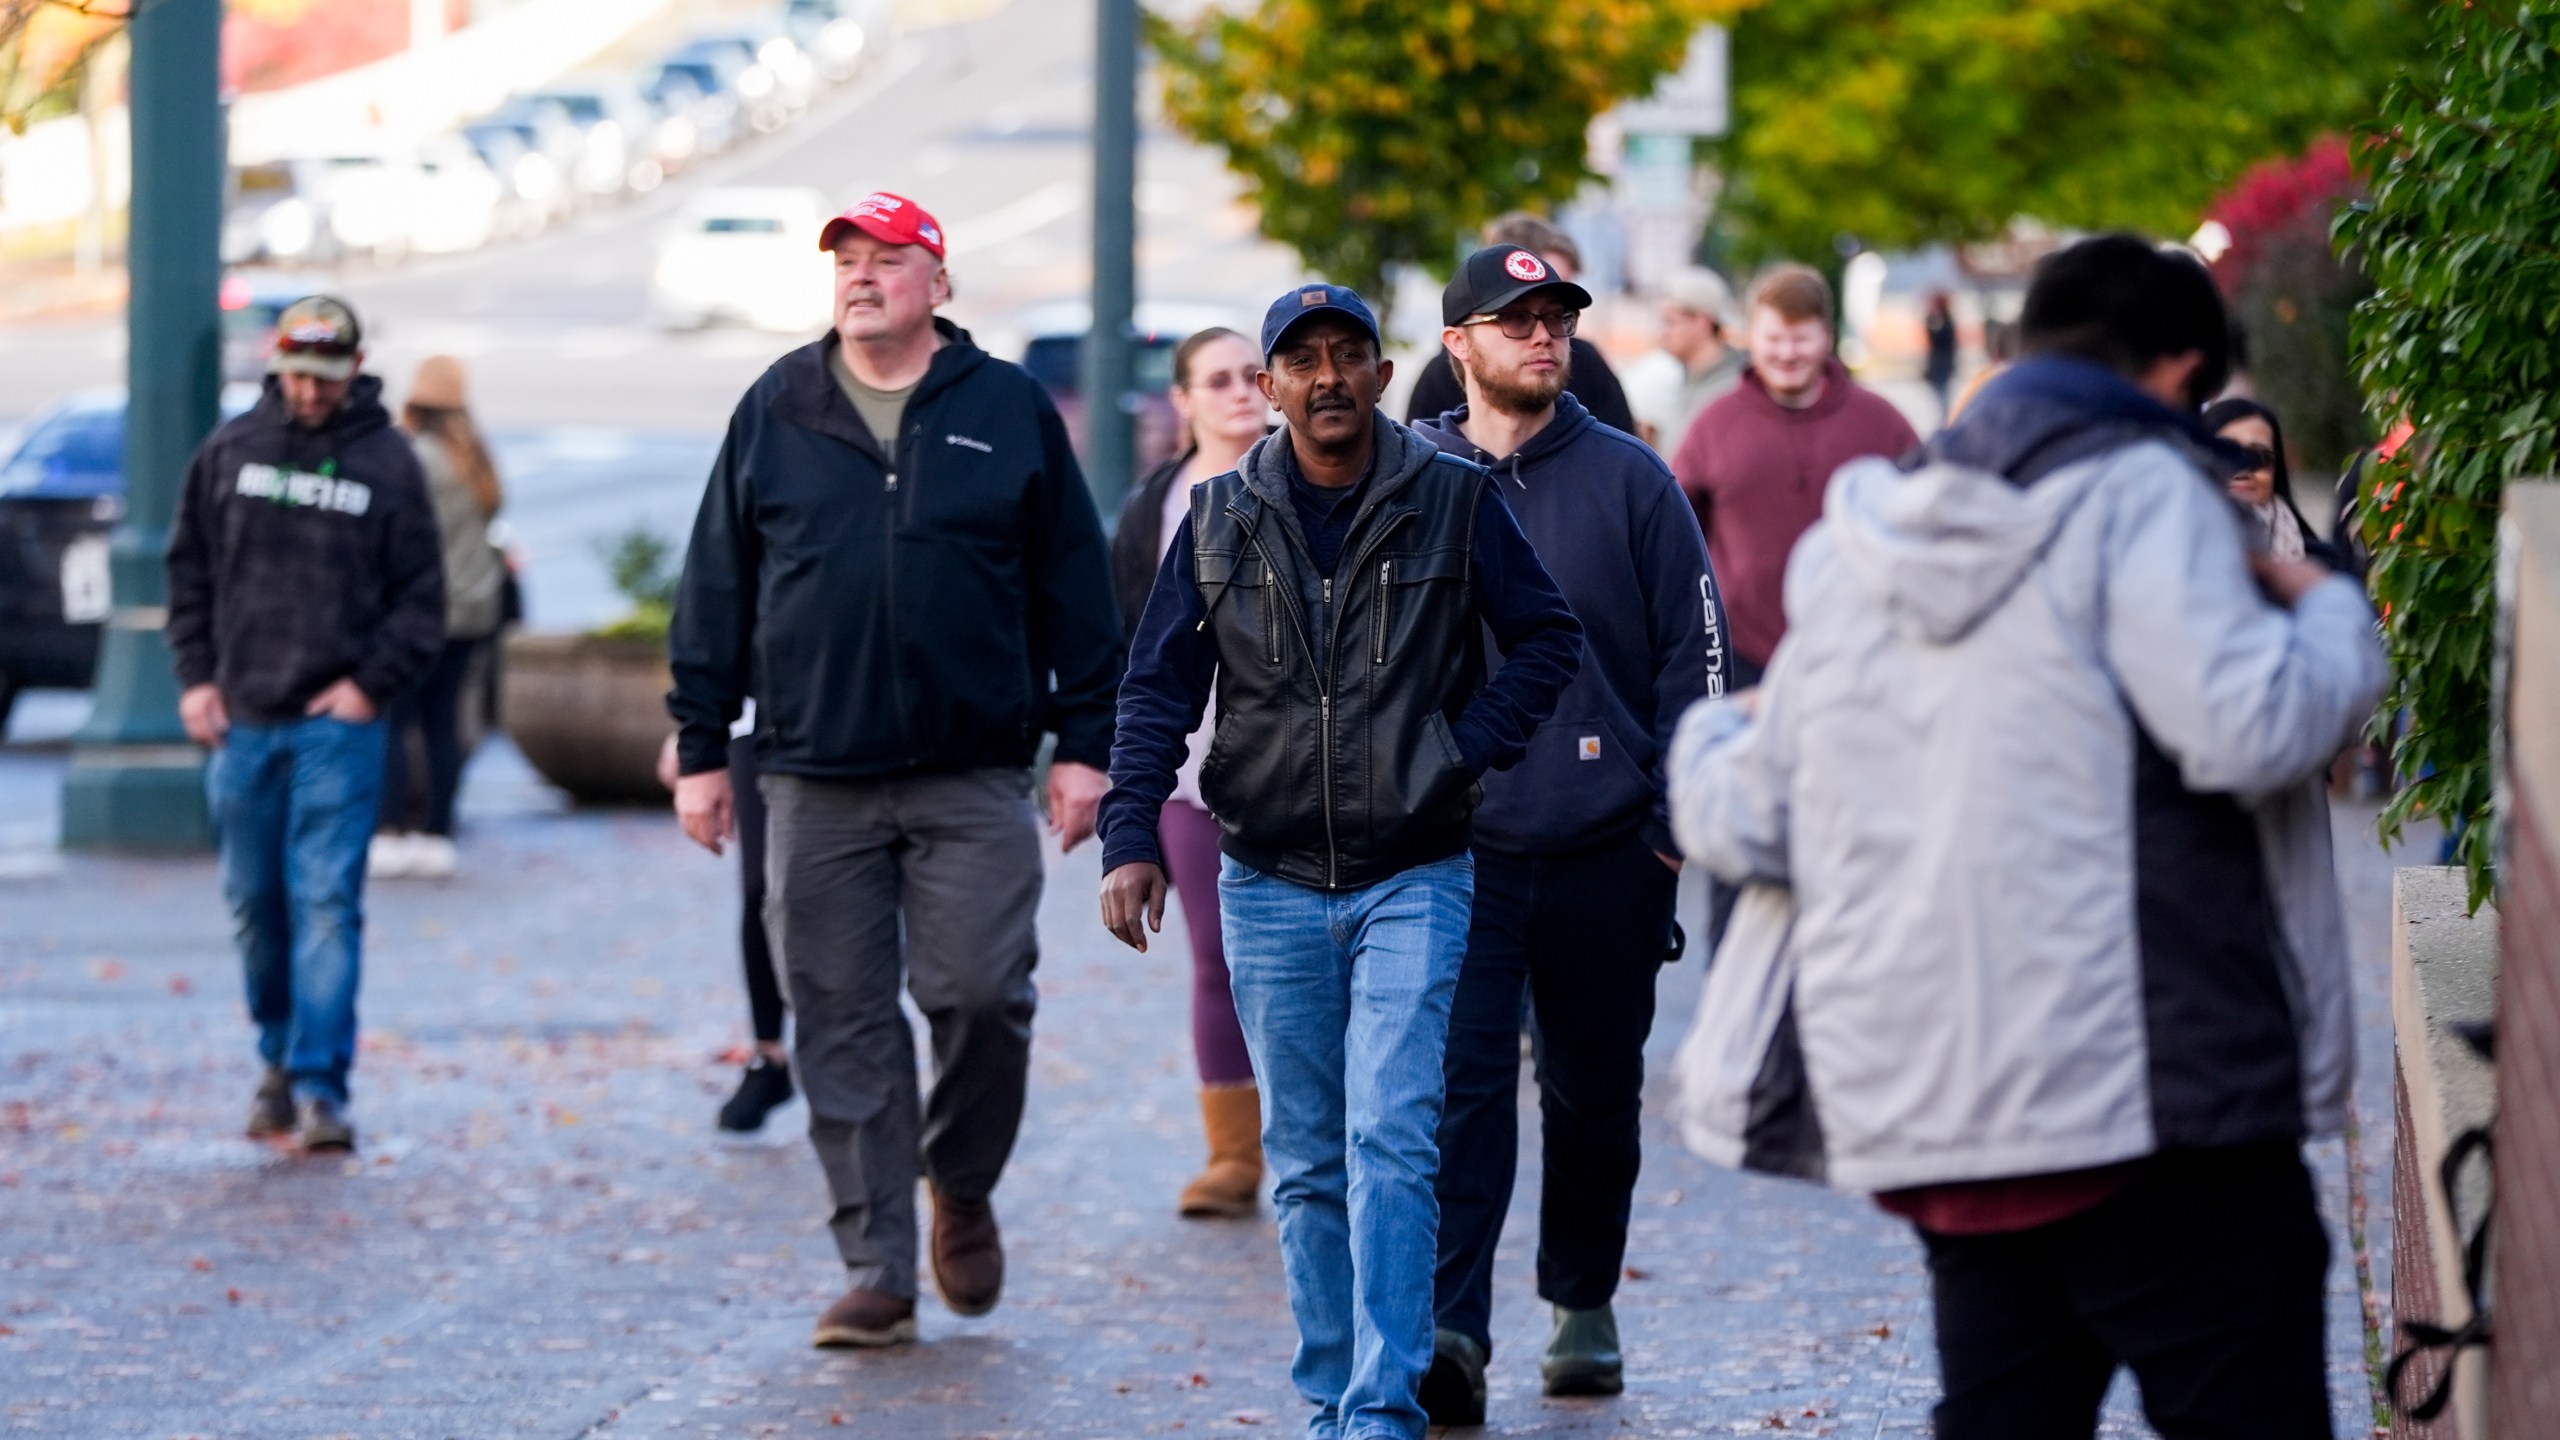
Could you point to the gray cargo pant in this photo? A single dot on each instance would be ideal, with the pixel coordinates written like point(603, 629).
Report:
point(934, 879)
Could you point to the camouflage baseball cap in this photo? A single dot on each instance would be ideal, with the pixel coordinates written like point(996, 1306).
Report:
point(316, 335)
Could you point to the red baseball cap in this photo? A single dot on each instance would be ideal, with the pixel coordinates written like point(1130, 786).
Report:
point(883, 216)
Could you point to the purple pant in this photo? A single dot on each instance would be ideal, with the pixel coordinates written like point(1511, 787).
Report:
point(1190, 840)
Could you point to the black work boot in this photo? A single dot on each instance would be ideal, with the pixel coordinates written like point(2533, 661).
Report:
point(271, 1113)
point(763, 1089)
point(1453, 1388)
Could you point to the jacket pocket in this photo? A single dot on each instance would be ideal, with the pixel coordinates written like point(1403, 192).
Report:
point(1243, 582)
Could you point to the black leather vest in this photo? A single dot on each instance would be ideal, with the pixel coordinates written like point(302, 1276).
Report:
point(1333, 765)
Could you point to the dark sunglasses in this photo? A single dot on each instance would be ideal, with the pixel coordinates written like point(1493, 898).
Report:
point(2261, 457)
point(1521, 324)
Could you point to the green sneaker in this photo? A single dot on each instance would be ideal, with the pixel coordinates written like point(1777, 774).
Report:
point(1453, 1388)
point(1582, 1356)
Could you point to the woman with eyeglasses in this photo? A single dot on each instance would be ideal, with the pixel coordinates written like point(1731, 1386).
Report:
point(2266, 487)
point(1216, 396)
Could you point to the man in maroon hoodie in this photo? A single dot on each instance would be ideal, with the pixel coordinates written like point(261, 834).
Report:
point(1755, 463)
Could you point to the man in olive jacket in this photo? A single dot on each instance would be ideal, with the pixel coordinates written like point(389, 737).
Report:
point(897, 558)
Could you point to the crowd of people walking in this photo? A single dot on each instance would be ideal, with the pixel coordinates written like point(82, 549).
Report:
point(2002, 752)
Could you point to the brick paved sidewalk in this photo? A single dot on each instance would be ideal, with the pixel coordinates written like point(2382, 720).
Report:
point(543, 1237)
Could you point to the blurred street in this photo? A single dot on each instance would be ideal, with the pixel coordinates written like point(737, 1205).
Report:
point(605, 421)
point(542, 1235)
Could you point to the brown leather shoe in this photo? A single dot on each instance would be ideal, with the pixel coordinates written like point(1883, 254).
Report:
point(968, 1254)
point(868, 1319)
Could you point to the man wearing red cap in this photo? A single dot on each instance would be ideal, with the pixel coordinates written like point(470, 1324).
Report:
point(896, 558)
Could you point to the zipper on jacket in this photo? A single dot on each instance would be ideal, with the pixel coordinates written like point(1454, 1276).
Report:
point(1324, 749)
point(1378, 652)
point(892, 484)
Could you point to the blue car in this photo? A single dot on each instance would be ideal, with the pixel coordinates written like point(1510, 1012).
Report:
point(61, 494)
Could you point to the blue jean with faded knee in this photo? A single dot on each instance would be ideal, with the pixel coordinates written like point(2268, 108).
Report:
point(1344, 996)
point(293, 809)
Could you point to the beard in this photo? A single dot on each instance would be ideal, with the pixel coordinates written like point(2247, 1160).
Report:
point(1519, 393)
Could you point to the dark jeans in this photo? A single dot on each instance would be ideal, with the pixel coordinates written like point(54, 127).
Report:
point(764, 985)
point(2204, 1276)
point(1581, 936)
point(293, 806)
point(429, 715)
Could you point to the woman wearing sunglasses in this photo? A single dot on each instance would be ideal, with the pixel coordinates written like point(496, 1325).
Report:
point(2266, 487)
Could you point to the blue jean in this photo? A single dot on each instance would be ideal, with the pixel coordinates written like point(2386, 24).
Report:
point(293, 808)
point(1345, 1002)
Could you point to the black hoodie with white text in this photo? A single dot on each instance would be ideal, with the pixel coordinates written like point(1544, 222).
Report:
point(302, 556)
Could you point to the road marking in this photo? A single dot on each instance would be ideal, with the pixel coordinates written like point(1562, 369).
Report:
point(1041, 207)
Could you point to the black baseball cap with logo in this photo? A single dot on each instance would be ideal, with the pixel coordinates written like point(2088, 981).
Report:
point(317, 335)
point(1307, 302)
point(1499, 274)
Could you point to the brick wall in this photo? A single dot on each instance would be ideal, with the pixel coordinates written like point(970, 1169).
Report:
point(2524, 1396)
point(2413, 1273)
point(2524, 1297)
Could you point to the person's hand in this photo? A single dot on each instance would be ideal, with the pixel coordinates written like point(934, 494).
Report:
point(207, 719)
point(342, 701)
point(668, 773)
point(1075, 792)
point(1669, 862)
point(707, 809)
point(1131, 893)
point(2287, 581)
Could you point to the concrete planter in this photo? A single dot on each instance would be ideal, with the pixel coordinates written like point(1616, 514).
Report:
point(590, 712)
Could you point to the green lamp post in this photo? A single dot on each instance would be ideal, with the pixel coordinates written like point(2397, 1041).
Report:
point(135, 782)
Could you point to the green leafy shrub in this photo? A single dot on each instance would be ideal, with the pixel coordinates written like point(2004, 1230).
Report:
point(641, 565)
point(2461, 340)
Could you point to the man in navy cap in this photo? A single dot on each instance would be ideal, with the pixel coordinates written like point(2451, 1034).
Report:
point(1335, 590)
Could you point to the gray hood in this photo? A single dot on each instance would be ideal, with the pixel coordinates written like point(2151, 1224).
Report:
point(1943, 545)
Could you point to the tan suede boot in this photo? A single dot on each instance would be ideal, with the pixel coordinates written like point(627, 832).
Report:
point(1232, 1182)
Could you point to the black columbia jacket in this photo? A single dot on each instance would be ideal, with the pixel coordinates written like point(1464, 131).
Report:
point(930, 602)
point(301, 557)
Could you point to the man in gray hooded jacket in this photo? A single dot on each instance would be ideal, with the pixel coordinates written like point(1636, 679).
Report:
point(2065, 980)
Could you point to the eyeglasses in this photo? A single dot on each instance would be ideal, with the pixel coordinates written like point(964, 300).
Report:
point(1521, 324)
point(1225, 379)
point(2261, 457)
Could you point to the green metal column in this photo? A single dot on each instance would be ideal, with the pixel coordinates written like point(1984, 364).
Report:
point(135, 781)
point(1110, 369)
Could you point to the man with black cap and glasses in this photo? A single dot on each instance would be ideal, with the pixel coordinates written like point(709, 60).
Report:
point(306, 588)
point(1335, 591)
point(1576, 867)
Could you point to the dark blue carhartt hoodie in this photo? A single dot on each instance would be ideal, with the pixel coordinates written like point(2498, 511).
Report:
point(1611, 526)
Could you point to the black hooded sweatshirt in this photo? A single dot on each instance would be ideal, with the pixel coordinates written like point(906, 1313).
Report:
point(917, 603)
point(304, 556)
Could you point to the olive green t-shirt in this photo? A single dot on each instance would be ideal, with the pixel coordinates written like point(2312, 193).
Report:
point(879, 409)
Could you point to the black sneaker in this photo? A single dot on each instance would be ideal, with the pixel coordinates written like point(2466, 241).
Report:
point(272, 1112)
point(1453, 1388)
point(325, 1127)
point(764, 1088)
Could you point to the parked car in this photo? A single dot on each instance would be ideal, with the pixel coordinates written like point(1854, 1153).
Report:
point(778, 79)
point(459, 198)
point(700, 88)
point(319, 210)
point(1053, 351)
point(835, 33)
point(748, 255)
point(61, 494)
point(532, 148)
point(619, 135)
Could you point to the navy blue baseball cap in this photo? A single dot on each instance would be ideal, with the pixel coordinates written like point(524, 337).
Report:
point(1310, 300)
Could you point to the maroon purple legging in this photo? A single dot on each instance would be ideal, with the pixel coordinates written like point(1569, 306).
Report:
point(1190, 841)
